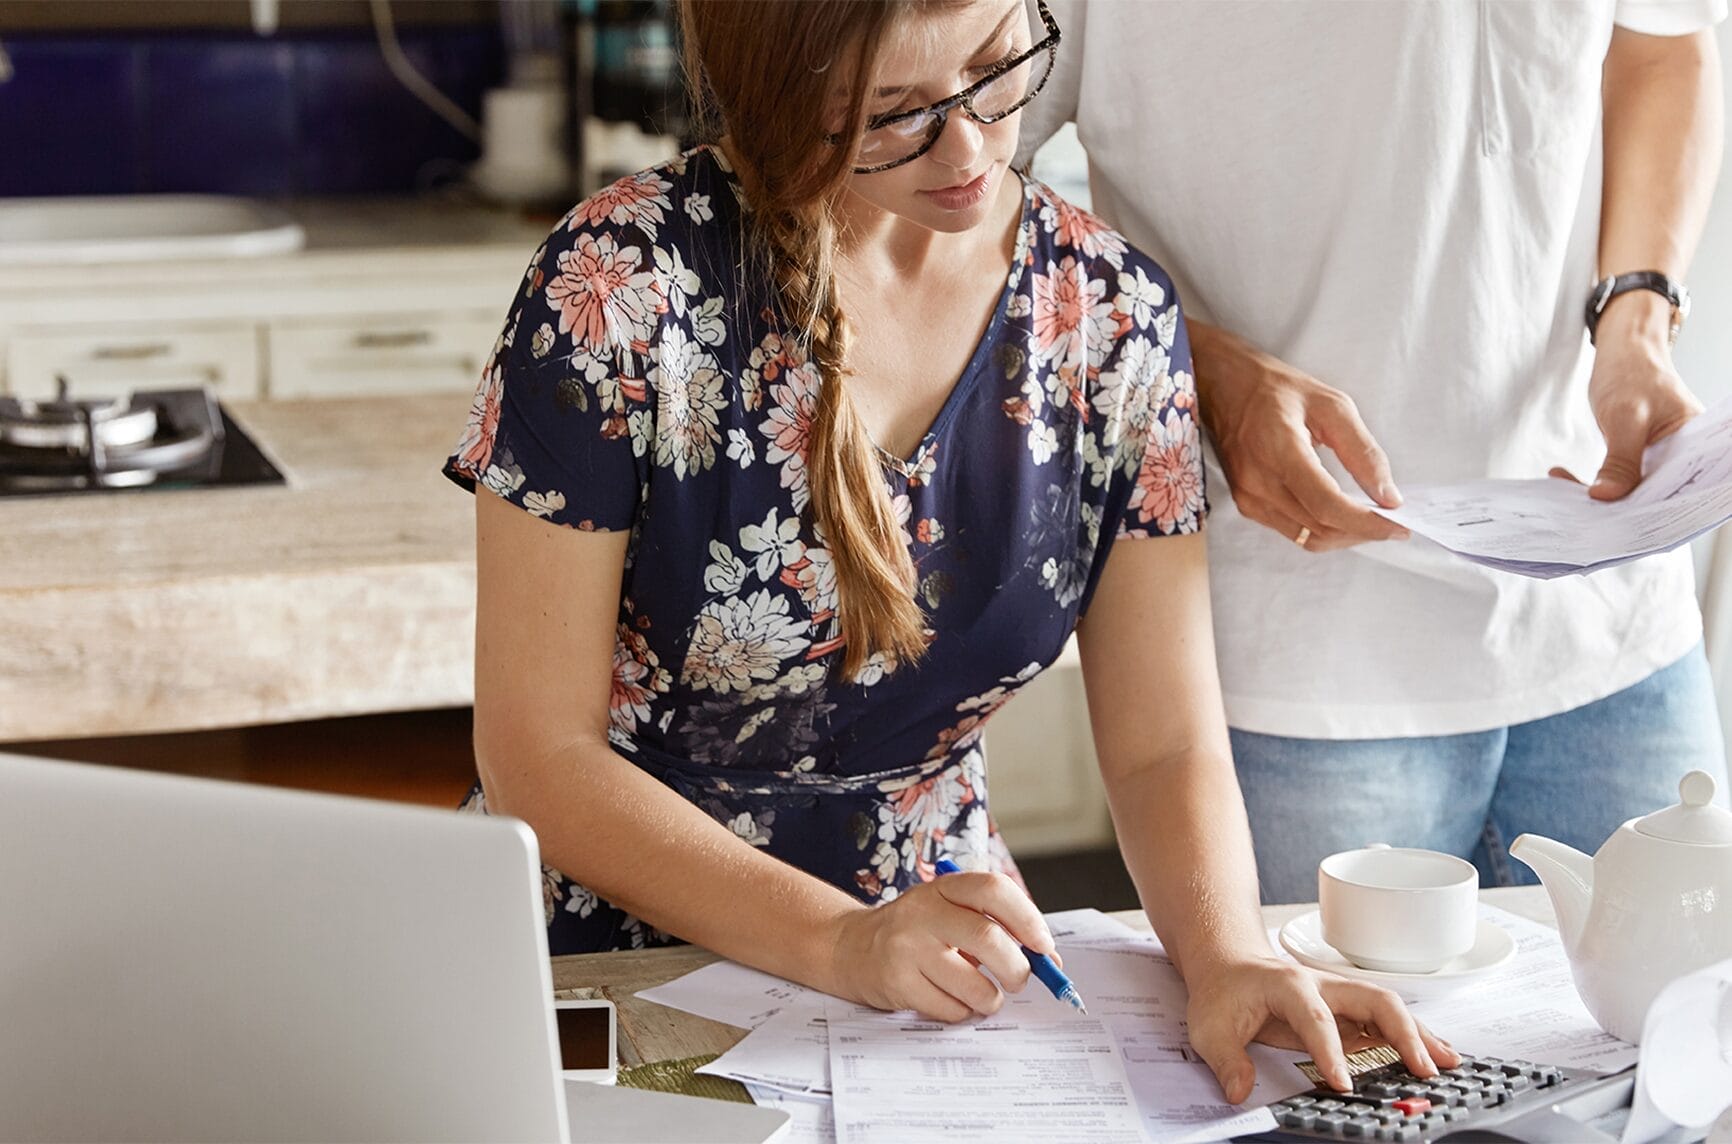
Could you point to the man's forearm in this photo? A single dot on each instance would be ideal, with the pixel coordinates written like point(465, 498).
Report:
point(1663, 126)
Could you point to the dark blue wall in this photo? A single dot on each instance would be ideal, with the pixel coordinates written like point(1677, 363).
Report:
point(283, 115)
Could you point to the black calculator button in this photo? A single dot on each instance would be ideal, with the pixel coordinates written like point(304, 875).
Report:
point(1519, 1083)
point(1298, 1118)
point(1360, 1127)
point(1329, 1106)
point(1299, 1102)
point(1331, 1122)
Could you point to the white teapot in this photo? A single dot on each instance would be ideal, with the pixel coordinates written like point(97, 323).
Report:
point(1655, 903)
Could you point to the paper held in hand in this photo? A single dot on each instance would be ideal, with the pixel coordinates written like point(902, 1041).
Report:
point(1549, 527)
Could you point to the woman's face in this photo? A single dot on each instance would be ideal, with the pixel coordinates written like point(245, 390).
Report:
point(953, 186)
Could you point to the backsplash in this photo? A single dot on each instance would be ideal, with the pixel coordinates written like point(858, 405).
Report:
point(312, 113)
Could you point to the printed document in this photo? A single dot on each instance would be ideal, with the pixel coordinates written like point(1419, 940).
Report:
point(1548, 527)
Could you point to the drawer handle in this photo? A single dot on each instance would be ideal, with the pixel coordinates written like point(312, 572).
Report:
point(132, 353)
point(392, 339)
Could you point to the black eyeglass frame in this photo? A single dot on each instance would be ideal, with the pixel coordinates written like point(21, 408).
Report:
point(965, 98)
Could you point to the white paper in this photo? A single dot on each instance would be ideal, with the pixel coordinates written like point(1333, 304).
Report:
point(1547, 527)
point(1529, 1009)
point(729, 992)
point(789, 1051)
point(999, 1080)
point(809, 1118)
point(1685, 1079)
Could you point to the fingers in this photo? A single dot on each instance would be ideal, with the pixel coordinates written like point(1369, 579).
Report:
point(934, 1001)
point(999, 899)
point(964, 984)
point(1558, 472)
point(1318, 494)
point(1231, 1065)
point(1626, 438)
point(1384, 1011)
point(987, 942)
point(1313, 1022)
point(1339, 426)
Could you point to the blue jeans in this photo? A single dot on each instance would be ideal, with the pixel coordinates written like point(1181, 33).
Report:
point(1574, 777)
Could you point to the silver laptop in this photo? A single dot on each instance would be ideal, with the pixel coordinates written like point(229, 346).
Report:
point(182, 959)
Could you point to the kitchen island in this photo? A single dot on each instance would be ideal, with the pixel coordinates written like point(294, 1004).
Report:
point(348, 590)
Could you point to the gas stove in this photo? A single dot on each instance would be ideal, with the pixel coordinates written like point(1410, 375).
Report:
point(150, 440)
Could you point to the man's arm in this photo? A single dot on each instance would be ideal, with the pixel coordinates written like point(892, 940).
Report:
point(1663, 127)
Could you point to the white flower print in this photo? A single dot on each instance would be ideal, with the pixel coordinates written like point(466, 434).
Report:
point(639, 200)
point(677, 280)
point(753, 830)
point(544, 504)
point(727, 573)
point(707, 323)
point(1138, 296)
point(689, 397)
point(741, 449)
point(1167, 326)
point(503, 481)
point(698, 208)
point(604, 300)
point(873, 671)
point(582, 901)
point(641, 426)
point(774, 543)
point(736, 642)
point(1124, 396)
point(797, 680)
point(1042, 441)
point(542, 342)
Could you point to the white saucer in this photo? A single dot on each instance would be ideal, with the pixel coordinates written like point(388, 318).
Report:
point(1492, 948)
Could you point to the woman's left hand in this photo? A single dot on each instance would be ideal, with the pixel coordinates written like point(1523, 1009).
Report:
point(1278, 1003)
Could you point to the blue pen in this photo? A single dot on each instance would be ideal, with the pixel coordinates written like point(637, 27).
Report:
point(1039, 964)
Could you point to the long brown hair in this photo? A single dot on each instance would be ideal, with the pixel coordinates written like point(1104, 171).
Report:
point(766, 74)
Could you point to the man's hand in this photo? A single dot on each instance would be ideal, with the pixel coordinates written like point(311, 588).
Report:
point(1266, 419)
point(1635, 392)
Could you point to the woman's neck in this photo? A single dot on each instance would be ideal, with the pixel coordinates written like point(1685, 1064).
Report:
point(882, 245)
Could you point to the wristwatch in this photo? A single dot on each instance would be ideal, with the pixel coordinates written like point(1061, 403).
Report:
point(1608, 288)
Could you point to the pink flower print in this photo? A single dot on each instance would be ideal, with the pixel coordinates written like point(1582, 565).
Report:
point(639, 200)
point(1169, 489)
point(475, 447)
point(789, 425)
point(604, 300)
point(638, 678)
point(1063, 301)
point(1077, 228)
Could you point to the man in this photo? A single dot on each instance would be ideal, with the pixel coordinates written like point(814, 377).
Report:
point(1386, 221)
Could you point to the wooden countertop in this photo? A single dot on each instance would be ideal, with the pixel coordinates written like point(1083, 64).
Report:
point(349, 590)
point(649, 1032)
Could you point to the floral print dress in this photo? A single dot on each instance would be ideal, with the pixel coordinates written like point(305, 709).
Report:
point(645, 381)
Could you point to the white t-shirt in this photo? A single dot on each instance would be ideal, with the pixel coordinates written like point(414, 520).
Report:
point(1402, 199)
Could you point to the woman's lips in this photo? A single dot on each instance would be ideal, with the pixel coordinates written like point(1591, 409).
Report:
point(962, 196)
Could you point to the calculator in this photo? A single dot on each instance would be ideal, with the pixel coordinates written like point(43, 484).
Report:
point(1483, 1098)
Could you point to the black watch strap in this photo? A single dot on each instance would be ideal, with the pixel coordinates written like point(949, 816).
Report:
point(1608, 288)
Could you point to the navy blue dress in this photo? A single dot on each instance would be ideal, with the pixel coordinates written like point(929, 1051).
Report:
point(643, 381)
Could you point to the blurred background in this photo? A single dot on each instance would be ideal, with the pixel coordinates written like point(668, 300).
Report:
point(305, 220)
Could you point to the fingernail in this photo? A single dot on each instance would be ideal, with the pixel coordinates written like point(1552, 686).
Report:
point(1388, 494)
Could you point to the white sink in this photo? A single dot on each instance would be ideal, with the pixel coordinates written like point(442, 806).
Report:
point(142, 228)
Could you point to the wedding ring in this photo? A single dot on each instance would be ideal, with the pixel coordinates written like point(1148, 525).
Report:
point(1304, 536)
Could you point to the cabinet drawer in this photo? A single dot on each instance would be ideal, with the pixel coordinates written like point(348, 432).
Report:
point(120, 359)
point(380, 354)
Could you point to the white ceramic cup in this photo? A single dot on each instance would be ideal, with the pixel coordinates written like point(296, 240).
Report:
point(1396, 910)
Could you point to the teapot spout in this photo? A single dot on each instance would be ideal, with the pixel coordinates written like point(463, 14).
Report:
point(1568, 876)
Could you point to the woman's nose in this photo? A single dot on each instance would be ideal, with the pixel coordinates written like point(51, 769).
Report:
point(959, 143)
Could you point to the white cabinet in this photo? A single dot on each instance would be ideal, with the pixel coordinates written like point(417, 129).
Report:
point(103, 358)
point(385, 353)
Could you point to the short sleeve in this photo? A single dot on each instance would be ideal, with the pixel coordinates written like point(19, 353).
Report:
point(1148, 400)
point(563, 421)
point(1668, 17)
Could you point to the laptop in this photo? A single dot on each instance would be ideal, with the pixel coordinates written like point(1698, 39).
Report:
point(186, 959)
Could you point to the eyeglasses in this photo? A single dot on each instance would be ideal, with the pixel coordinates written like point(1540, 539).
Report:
point(892, 140)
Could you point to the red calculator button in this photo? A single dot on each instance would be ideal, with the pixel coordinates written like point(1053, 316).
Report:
point(1413, 1106)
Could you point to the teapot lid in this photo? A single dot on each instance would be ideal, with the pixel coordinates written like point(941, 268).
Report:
point(1694, 819)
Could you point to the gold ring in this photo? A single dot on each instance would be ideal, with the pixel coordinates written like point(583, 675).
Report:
point(1304, 536)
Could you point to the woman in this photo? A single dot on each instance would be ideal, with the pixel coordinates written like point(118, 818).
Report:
point(842, 420)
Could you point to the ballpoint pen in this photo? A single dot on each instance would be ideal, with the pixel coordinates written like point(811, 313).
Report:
point(1039, 964)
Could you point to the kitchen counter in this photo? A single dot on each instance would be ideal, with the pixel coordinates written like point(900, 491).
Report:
point(349, 590)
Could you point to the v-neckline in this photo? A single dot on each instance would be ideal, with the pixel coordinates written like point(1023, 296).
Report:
point(905, 468)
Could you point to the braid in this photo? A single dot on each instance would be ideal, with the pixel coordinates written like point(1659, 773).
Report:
point(850, 505)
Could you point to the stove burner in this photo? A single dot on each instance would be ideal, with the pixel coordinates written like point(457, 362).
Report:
point(162, 438)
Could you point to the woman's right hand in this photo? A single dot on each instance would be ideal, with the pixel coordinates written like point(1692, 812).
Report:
point(926, 949)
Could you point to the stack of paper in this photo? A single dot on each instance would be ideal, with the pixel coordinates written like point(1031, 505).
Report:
point(1550, 527)
point(1039, 1071)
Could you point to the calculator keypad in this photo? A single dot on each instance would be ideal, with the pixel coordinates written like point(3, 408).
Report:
point(1390, 1103)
